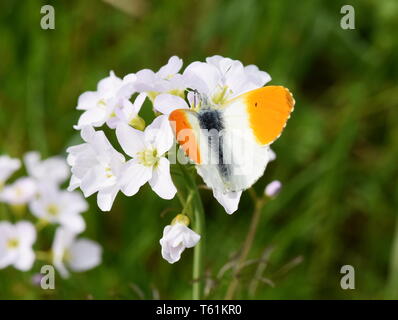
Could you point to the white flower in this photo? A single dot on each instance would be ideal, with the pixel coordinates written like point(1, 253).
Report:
point(165, 80)
point(100, 105)
point(53, 170)
point(229, 200)
point(127, 113)
point(273, 188)
point(74, 254)
point(221, 79)
point(22, 191)
point(16, 245)
point(8, 166)
point(218, 80)
point(58, 206)
point(175, 239)
point(96, 167)
point(148, 163)
point(253, 74)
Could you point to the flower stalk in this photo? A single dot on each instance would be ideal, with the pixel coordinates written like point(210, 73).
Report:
point(258, 206)
point(195, 209)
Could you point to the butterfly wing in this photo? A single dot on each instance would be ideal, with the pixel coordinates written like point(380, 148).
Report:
point(252, 122)
point(264, 111)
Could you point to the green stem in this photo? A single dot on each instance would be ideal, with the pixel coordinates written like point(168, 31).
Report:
point(392, 289)
point(197, 272)
point(197, 213)
point(259, 204)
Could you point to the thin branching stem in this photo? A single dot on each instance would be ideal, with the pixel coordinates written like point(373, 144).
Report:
point(259, 203)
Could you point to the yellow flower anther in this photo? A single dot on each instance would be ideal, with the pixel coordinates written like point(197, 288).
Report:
point(52, 209)
point(148, 157)
point(12, 243)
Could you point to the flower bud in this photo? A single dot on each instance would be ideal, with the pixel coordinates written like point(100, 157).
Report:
point(176, 238)
point(273, 188)
point(137, 123)
point(36, 279)
point(181, 218)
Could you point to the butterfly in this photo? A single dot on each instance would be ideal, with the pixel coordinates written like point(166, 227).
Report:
point(230, 143)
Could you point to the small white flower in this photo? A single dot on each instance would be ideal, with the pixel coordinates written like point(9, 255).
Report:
point(148, 163)
point(75, 254)
point(128, 113)
point(8, 166)
point(273, 188)
point(218, 79)
point(252, 73)
point(229, 200)
point(100, 105)
point(53, 170)
point(16, 245)
point(176, 238)
point(221, 79)
point(96, 167)
point(165, 80)
point(58, 206)
point(22, 191)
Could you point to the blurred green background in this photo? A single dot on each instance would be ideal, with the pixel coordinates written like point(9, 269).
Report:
point(337, 158)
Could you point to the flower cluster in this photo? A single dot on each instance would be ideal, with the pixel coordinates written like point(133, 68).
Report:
point(97, 167)
point(40, 192)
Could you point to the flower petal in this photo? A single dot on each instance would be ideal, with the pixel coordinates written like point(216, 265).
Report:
point(93, 181)
point(145, 80)
point(202, 76)
point(8, 166)
point(130, 139)
point(87, 100)
point(258, 77)
point(160, 135)
point(26, 233)
point(106, 197)
point(134, 176)
point(84, 255)
point(229, 200)
point(63, 239)
point(166, 103)
point(138, 102)
point(25, 259)
point(172, 67)
point(73, 222)
point(161, 181)
point(94, 117)
point(109, 84)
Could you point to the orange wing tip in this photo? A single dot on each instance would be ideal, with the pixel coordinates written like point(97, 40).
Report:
point(185, 134)
point(268, 109)
point(291, 101)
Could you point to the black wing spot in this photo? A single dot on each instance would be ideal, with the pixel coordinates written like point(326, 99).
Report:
point(255, 104)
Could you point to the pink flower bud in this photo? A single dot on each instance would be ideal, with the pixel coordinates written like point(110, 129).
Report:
point(273, 188)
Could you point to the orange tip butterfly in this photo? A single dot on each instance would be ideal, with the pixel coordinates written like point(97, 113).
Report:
point(230, 143)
